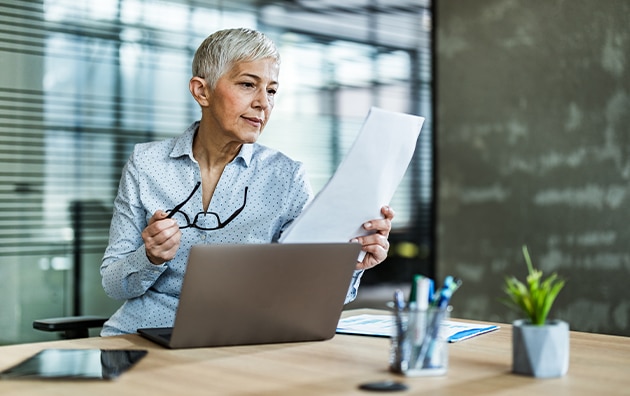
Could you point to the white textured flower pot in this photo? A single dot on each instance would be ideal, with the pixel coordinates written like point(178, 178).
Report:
point(540, 351)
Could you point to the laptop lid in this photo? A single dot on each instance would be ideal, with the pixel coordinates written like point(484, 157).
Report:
point(262, 293)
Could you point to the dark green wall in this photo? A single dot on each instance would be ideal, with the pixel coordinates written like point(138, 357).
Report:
point(533, 136)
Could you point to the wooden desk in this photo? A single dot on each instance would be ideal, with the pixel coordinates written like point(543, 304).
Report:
point(599, 365)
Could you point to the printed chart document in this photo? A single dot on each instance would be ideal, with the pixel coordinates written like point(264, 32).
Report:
point(364, 182)
point(383, 326)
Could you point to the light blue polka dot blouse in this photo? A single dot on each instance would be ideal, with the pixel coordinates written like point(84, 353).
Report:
point(160, 175)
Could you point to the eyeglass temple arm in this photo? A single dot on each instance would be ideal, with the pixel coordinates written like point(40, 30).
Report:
point(239, 210)
point(181, 205)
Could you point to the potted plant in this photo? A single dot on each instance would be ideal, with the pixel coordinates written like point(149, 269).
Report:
point(540, 346)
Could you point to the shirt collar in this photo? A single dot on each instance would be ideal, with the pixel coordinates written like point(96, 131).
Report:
point(184, 142)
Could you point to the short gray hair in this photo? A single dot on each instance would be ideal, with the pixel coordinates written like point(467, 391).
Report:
point(224, 48)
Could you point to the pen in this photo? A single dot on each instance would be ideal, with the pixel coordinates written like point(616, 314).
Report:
point(441, 296)
point(423, 292)
point(419, 315)
point(414, 288)
point(450, 286)
point(399, 300)
point(441, 301)
point(399, 306)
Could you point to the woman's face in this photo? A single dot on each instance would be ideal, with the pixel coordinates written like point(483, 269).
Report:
point(241, 103)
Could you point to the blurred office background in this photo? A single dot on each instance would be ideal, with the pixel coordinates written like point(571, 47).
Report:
point(530, 141)
point(83, 81)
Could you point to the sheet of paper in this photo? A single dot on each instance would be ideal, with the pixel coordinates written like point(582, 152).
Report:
point(383, 326)
point(365, 180)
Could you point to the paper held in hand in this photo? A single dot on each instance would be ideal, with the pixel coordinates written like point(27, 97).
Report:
point(364, 182)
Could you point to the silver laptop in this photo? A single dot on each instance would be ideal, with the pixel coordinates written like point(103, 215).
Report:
point(260, 294)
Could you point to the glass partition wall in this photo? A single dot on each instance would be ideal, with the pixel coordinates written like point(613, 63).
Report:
point(83, 81)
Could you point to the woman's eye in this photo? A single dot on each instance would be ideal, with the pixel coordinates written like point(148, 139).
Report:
point(271, 92)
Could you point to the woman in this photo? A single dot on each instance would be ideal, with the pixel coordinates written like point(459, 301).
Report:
point(212, 184)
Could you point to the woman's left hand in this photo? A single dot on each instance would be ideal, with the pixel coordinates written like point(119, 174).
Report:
point(376, 244)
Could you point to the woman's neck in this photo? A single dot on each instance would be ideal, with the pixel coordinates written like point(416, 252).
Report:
point(212, 155)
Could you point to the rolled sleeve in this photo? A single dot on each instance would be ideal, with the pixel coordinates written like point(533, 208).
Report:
point(354, 286)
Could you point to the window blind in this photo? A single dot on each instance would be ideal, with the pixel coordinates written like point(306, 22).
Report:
point(83, 81)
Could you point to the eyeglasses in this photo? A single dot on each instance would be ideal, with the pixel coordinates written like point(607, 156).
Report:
point(206, 221)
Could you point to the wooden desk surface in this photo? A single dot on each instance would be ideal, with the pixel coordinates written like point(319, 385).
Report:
point(599, 364)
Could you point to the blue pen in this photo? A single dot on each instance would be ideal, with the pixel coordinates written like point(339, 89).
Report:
point(448, 288)
point(444, 296)
point(440, 295)
point(399, 300)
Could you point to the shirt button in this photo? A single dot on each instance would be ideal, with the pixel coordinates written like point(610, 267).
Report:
point(203, 237)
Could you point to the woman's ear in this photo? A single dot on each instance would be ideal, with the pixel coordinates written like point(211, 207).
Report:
point(197, 86)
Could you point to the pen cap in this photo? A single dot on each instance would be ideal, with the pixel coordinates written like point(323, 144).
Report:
point(417, 284)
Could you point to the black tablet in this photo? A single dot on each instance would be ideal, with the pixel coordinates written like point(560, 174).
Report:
point(101, 364)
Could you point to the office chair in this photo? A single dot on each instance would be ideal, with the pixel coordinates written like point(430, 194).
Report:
point(87, 216)
point(71, 326)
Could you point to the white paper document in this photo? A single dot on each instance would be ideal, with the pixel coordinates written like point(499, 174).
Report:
point(364, 182)
point(383, 326)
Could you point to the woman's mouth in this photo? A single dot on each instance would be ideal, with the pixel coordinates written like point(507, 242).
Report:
point(254, 121)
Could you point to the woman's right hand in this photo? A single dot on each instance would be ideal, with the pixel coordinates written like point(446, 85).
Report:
point(161, 238)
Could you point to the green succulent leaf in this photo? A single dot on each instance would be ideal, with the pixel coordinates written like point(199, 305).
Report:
point(535, 298)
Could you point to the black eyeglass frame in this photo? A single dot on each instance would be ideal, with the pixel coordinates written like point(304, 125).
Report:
point(220, 223)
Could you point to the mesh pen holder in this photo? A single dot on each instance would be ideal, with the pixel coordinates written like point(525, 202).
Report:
point(419, 345)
